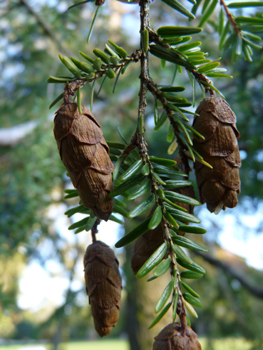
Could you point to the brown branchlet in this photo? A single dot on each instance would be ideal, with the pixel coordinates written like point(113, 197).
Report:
point(103, 286)
point(173, 337)
point(85, 154)
point(218, 187)
point(146, 244)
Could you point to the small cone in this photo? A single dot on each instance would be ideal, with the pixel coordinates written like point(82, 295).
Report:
point(85, 154)
point(172, 337)
point(218, 187)
point(103, 286)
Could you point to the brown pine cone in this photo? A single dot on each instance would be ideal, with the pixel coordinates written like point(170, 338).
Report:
point(172, 337)
point(218, 187)
point(85, 154)
point(147, 244)
point(103, 286)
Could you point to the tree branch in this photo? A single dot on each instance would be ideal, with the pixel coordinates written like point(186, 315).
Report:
point(254, 290)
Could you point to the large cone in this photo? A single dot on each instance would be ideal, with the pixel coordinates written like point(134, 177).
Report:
point(172, 338)
point(85, 154)
point(103, 286)
point(218, 187)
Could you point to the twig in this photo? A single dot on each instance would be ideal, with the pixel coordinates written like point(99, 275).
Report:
point(230, 17)
point(94, 230)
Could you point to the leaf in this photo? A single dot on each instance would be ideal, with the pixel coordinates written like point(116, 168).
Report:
point(153, 260)
point(188, 243)
point(116, 145)
point(190, 309)
point(187, 274)
point(88, 226)
point(175, 306)
point(182, 216)
point(86, 57)
point(191, 229)
point(188, 46)
point(79, 101)
point(161, 314)
point(161, 121)
point(116, 80)
point(192, 300)
point(177, 197)
point(162, 161)
point(117, 167)
point(78, 209)
point(173, 146)
point(113, 218)
point(58, 80)
point(101, 84)
point(208, 67)
point(171, 31)
point(132, 170)
point(248, 20)
point(56, 100)
point(134, 234)
point(145, 169)
point(252, 44)
point(156, 218)
point(176, 5)
point(237, 5)
point(163, 267)
point(224, 35)
point(71, 195)
point(221, 21)
point(208, 13)
point(118, 209)
point(164, 297)
point(92, 23)
point(164, 170)
point(181, 255)
point(176, 206)
point(146, 204)
point(177, 183)
point(170, 88)
point(193, 266)
point(126, 185)
point(171, 220)
point(169, 55)
point(190, 290)
point(146, 187)
point(121, 135)
point(157, 178)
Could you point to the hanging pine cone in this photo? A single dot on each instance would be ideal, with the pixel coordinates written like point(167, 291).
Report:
point(218, 187)
point(146, 244)
point(103, 286)
point(172, 337)
point(85, 154)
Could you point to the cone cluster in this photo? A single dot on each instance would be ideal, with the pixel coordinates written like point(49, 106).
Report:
point(85, 154)
point(218, 187)
point(103, 286)
point(147, 243)
point(172, 337)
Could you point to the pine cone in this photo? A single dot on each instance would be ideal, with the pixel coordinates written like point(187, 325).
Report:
point(147, 244)
point(218, 187)
point(171, 337)
point(85, 154)
point(103, 286)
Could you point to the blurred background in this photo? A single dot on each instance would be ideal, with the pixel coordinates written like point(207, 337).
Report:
point(43, 304)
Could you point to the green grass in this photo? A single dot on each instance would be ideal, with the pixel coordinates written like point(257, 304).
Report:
point(219, 344)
